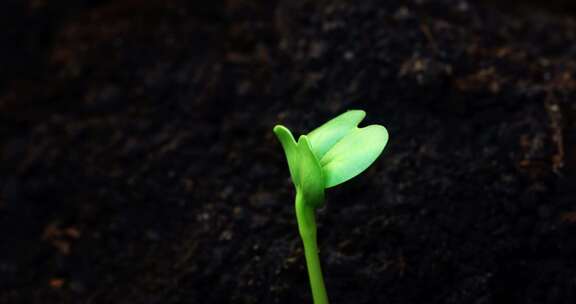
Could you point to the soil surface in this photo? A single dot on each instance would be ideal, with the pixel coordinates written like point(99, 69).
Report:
point(138, 163)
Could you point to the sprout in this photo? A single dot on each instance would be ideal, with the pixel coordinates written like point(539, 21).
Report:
point(326, 157)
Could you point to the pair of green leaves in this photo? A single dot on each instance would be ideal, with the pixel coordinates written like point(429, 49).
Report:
point(331, 154)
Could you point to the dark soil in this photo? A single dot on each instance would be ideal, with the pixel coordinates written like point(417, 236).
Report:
point(137, 162)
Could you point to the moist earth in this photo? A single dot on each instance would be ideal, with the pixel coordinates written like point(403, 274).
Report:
point(138, 163)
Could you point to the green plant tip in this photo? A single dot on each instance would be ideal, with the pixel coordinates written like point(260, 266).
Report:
point(326, 157)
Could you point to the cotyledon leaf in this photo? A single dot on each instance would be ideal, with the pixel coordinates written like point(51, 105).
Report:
point(311, 181)
point(290, 150)
point(325, 136)
point(353, 154)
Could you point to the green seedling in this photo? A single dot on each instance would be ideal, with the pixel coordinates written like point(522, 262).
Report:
point(326, 157)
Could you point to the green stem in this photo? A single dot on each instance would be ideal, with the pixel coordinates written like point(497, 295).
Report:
point(307, 228)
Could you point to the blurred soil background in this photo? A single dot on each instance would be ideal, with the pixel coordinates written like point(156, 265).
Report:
point(137, 162)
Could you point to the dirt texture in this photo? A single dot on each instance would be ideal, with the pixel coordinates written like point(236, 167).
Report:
point(138, 163)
